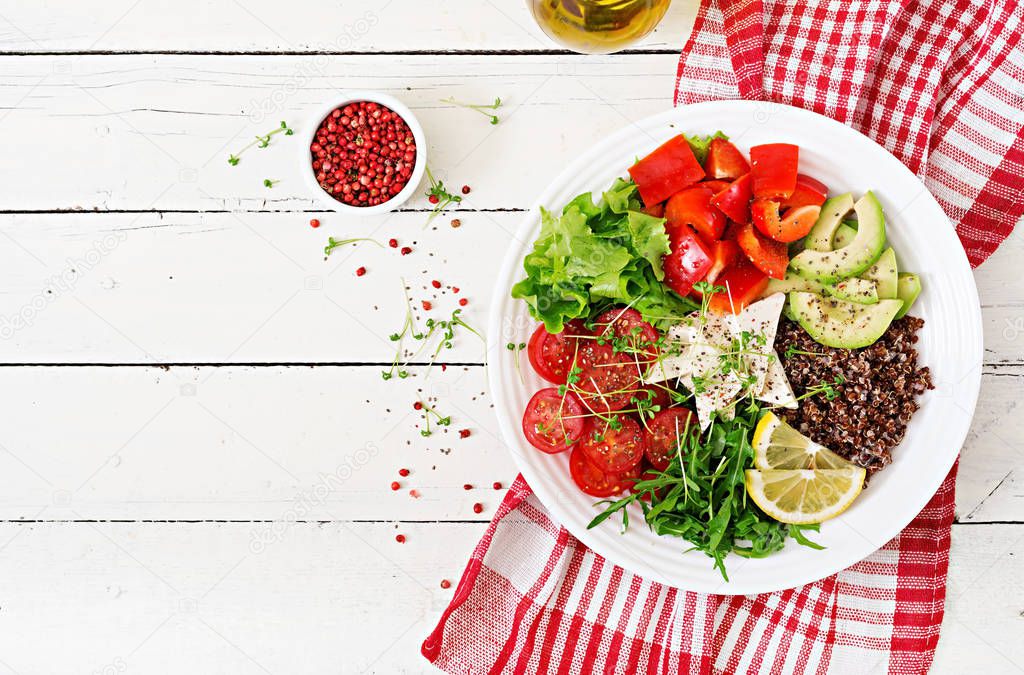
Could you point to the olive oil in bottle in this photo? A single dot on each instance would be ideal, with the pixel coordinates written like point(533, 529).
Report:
point(597, 26)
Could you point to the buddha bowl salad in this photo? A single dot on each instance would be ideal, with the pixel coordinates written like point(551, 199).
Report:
point(727, 346)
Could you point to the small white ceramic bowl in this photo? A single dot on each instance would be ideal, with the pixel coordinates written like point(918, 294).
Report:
point(330, 203)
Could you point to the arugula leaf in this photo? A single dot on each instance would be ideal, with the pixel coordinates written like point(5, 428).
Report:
point(699, 144)
point(701, 496)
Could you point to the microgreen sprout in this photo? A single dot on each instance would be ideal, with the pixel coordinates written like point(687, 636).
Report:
point(261, 142)
point(439, 196)
point(270, 183)
point(481, 108)
point(793, 350)
point(516, 349)
point(333, 243)
point(429, 412)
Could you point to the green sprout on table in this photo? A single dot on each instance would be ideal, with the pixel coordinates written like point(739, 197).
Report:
point(333, 243)
point(481, 108)
point(261, 142)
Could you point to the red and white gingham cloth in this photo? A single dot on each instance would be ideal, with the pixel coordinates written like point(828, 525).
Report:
point(940, 84)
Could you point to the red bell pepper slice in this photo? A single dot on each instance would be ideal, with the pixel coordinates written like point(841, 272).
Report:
point(715, 186)
point(773, 167)
point(669, 169)
point(808, 192)
point(688, 262)
point(796, 223)
point(725, 160)
point(769, 256)
point(724, 254)
point(734, 201)
point(692, 207)
point(744, 284)
point(656, 210)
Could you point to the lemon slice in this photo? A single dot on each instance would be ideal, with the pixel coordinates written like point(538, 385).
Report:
point(804, 496)
point(779, 446)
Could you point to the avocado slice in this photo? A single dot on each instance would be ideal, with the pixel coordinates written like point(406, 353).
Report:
point(787, 311)
point(832, 213)
point(855, 257)
point(794, 282)
point(844, 234)
point(857, 290)
point(852, 290)
point(908, 287)
point(841, 324)
point(883, 273)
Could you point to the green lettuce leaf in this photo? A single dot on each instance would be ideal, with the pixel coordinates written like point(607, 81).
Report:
point(594, 255)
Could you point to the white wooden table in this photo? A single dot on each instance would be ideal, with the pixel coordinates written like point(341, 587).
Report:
point(196, 444)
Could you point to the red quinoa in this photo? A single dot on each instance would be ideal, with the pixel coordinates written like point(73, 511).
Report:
point(876, 399)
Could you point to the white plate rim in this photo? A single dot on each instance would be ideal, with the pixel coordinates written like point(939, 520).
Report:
point(964, 394)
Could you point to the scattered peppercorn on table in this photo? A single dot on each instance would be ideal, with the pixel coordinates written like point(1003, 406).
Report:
point(209, 462)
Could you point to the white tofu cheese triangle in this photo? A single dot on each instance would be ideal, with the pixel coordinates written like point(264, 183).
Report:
point(777, 390)
point(697, 350)
point(761, 321)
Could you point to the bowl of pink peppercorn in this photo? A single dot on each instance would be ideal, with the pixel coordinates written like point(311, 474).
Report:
point(364, 155)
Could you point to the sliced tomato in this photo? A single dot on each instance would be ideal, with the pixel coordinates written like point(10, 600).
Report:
point(808, 192)
point(669, 169)
point(773, 167)
point(724, 254)
point(656, 210)
point(725, 160)
point(688, 262)
point(661, 437)
point(768, 255)
point(607, 379)
point(715, 186)
point(734, 201)
point(592, 480)
point(552, 422)
point(692, 207)
point(627, 323)
point(613, 450)
point(744, 284)
point(794, 225)
point(551, 355)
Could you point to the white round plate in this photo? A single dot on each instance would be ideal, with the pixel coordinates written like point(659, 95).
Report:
point(950, 345)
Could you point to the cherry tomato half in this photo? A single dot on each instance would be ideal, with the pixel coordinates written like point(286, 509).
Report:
point(661, 437)
point(613, 449)
point(607, 379)
point(595, 482)
point(552, 354)
point(553, 423)
point(627, 323)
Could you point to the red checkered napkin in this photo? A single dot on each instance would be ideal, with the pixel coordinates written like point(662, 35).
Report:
point(939, 84)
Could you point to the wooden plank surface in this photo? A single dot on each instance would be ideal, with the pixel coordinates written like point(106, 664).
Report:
point(127, 110)
point(255, 287)
point(145, 132)
point(249, 442)
point(366, 26)
point(334, 597)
